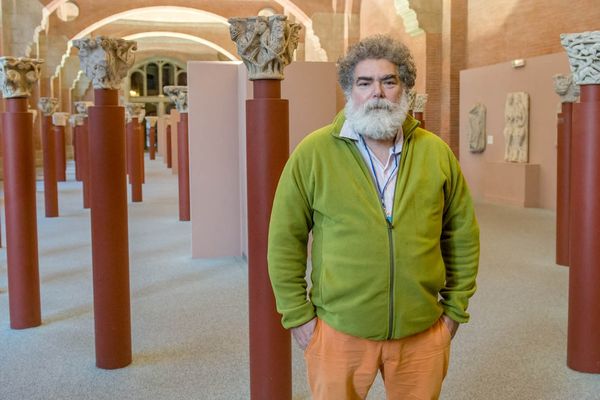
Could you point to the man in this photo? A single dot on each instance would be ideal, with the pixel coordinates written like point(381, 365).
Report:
point(395, 245)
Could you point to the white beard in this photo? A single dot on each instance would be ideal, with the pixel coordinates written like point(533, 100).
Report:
point(378, 119)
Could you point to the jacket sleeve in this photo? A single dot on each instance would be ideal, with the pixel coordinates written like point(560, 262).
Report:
point(459, 244)
point(290, 224)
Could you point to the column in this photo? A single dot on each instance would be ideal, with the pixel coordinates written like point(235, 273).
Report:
point(583, 346)
point(48, 106)
point(419, 108)
point(178, 95)
point(106, 61)
point(267, 128)
point(84, 150)
point(151, 128)
point(59, 122)
point(134, 158)
point(17, 77)
point(168, 144)
point(569, 93)
point(142, 138)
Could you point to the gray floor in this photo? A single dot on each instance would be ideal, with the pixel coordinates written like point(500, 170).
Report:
point(190, 317)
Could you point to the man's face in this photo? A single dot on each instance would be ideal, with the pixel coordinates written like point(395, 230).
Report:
point(375, 79)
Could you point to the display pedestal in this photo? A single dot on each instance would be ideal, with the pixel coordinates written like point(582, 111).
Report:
point(110, 246)
point(583, 345)
point(512, 183)
point(267, 141)
point(21, 221)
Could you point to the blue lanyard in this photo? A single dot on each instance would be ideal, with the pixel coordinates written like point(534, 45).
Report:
point(381, 190)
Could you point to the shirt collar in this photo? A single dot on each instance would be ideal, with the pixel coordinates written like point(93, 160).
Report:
point(348, 132)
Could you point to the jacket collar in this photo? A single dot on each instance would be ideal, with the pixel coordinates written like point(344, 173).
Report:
point(408, 127)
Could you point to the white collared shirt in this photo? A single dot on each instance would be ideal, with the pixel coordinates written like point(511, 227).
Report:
point(384, 173)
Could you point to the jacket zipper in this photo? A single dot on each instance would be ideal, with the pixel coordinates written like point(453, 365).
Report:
point(392, 280)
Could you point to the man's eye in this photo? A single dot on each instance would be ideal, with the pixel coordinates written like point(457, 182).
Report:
point(389, 83)
point(362, 84)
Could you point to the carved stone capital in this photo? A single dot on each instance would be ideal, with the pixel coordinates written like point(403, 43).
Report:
point(420, 101)
point(566, 88)
point(134, 110)
point(105, 61)
point(412, 94)
point(178, 95)
point(47, 105)
point(583, 50)
point(151, 122)
point(265, 44)
point(60, 118)
point(82, 107)
point(17, 76)
point(77, 119)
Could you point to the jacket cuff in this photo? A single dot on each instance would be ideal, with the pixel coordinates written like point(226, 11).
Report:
point(298, 316)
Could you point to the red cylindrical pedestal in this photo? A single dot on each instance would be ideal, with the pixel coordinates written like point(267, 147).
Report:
point(152, 143)
point(168, 145)
point(140, 129)
point(267, 144)
point(110, 248)
point(84, 153)
point(21, 222)
point(419, 117)
point(563, 171)
point(183, 161)
point(61, 156)
point(77, 137)
point(583, 344)
point(134, 162)
point(49, 162)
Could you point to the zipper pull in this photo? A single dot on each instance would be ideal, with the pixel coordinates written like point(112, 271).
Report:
point(388, 218)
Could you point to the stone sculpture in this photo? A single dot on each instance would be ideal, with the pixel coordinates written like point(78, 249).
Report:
point(17, 76)
point(477, 134)
point(105, 61)
point(47, 105)
point(265, 44)
point(178, 95)
point(82, 106)
point(516, 128)
point(133, 110)
point(566, 88)
point(419, 103)
point(60, 118)
point(412, 95)
point(583, 50)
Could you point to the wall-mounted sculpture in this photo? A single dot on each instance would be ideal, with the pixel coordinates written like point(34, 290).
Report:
point(566, 88)
point(516, 128)
point(477, 134)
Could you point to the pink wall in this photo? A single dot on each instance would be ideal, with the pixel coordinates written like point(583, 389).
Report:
point(489, 86)
point(216, 98)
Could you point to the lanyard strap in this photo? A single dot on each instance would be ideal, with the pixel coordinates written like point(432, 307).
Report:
point(381, 190)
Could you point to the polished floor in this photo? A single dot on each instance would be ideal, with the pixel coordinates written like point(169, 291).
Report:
point(190, 319)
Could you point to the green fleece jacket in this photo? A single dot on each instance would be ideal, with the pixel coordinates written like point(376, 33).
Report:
point(371, 278)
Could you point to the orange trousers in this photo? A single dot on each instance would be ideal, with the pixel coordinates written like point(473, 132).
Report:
point(343, 367)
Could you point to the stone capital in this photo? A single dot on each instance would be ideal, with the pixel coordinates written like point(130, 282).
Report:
point(566, 88)
point(82, 107)
point(178, 95)
point(60, 118)
point(412, 94)
point(105, 61)
point(77, 119)
point(17, 76)
point(151, 122)
point(420, 101)
point(48, 105)
point(583, 50)
point(265, 44)
point(134, 110)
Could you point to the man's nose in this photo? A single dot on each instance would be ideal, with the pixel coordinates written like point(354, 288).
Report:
point(378, 90)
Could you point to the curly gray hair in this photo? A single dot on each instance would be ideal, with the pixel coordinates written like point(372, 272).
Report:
point(377, 47)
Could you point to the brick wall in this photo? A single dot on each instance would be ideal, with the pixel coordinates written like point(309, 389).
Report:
point(500, 31)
